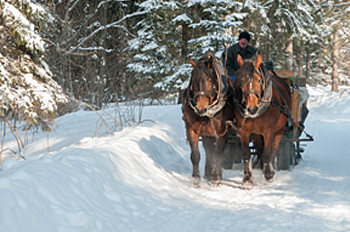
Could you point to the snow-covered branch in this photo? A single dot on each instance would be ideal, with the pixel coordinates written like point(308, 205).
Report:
point(114, 24)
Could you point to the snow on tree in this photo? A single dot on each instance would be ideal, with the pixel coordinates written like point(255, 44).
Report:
point(217, 22)
point(88, 48)
point(27, 90)
point(333, 51)
point(156, 47)
point(275, 24)
point(174, 30)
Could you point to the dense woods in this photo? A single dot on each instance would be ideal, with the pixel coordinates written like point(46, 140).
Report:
point(107, 51)
point(103, 51)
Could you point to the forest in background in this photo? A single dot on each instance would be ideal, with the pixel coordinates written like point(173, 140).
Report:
point(107, 51)
point(102, 51)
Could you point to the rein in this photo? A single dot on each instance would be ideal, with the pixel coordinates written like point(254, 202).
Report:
point(284, 110)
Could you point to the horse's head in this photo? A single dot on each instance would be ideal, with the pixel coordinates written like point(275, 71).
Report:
point(205, 83)
point(250, 81)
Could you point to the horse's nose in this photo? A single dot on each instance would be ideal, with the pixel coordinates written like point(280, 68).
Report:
point(252, 110)
point(202, 111)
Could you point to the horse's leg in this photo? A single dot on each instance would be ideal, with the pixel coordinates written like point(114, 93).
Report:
point(259, 146)
point(276, 144)
point(248, 175)
point(218, 158)
point(192, 138)
point(267, 157)
point(209, 147)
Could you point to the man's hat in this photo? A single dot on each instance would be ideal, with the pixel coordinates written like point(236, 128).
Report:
point(245, 35)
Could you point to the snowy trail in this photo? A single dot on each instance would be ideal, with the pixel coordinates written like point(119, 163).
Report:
point(140, 180)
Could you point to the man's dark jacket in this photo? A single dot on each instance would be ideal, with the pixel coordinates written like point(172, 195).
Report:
point(232, 65)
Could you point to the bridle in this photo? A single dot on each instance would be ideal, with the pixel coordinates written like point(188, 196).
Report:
point(264, 95)
point(202, 92)
point(217, 96)
point(250, 80)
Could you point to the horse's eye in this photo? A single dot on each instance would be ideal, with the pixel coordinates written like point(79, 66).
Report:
point(259, 81)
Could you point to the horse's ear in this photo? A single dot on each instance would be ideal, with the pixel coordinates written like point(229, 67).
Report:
point(239, 60)
point(192, 62)
point(258, 61)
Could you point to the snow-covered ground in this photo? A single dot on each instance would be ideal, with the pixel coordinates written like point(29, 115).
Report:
point(140, 179)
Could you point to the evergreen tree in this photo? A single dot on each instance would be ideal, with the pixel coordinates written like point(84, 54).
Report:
point(286, 20)
point(28, 91)
point(192, 28)
point(156, 48)
point(215, 23)
point(334, 53)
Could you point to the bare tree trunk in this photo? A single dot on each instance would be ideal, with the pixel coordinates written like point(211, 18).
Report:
point(268, 51)
point(336, 48)
point(300, 63)
point(308, 57)
point(290, 53)
point(184, 43)
point(104, 74)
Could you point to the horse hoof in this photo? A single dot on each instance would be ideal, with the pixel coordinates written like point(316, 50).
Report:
point(196, 182)
point(215, 183)
point(247, 185)
point(269, 173)
point(247, 182)
point(270, 178)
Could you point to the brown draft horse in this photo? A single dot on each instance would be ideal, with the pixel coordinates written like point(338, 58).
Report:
point(208, 113)
point(263, 105)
